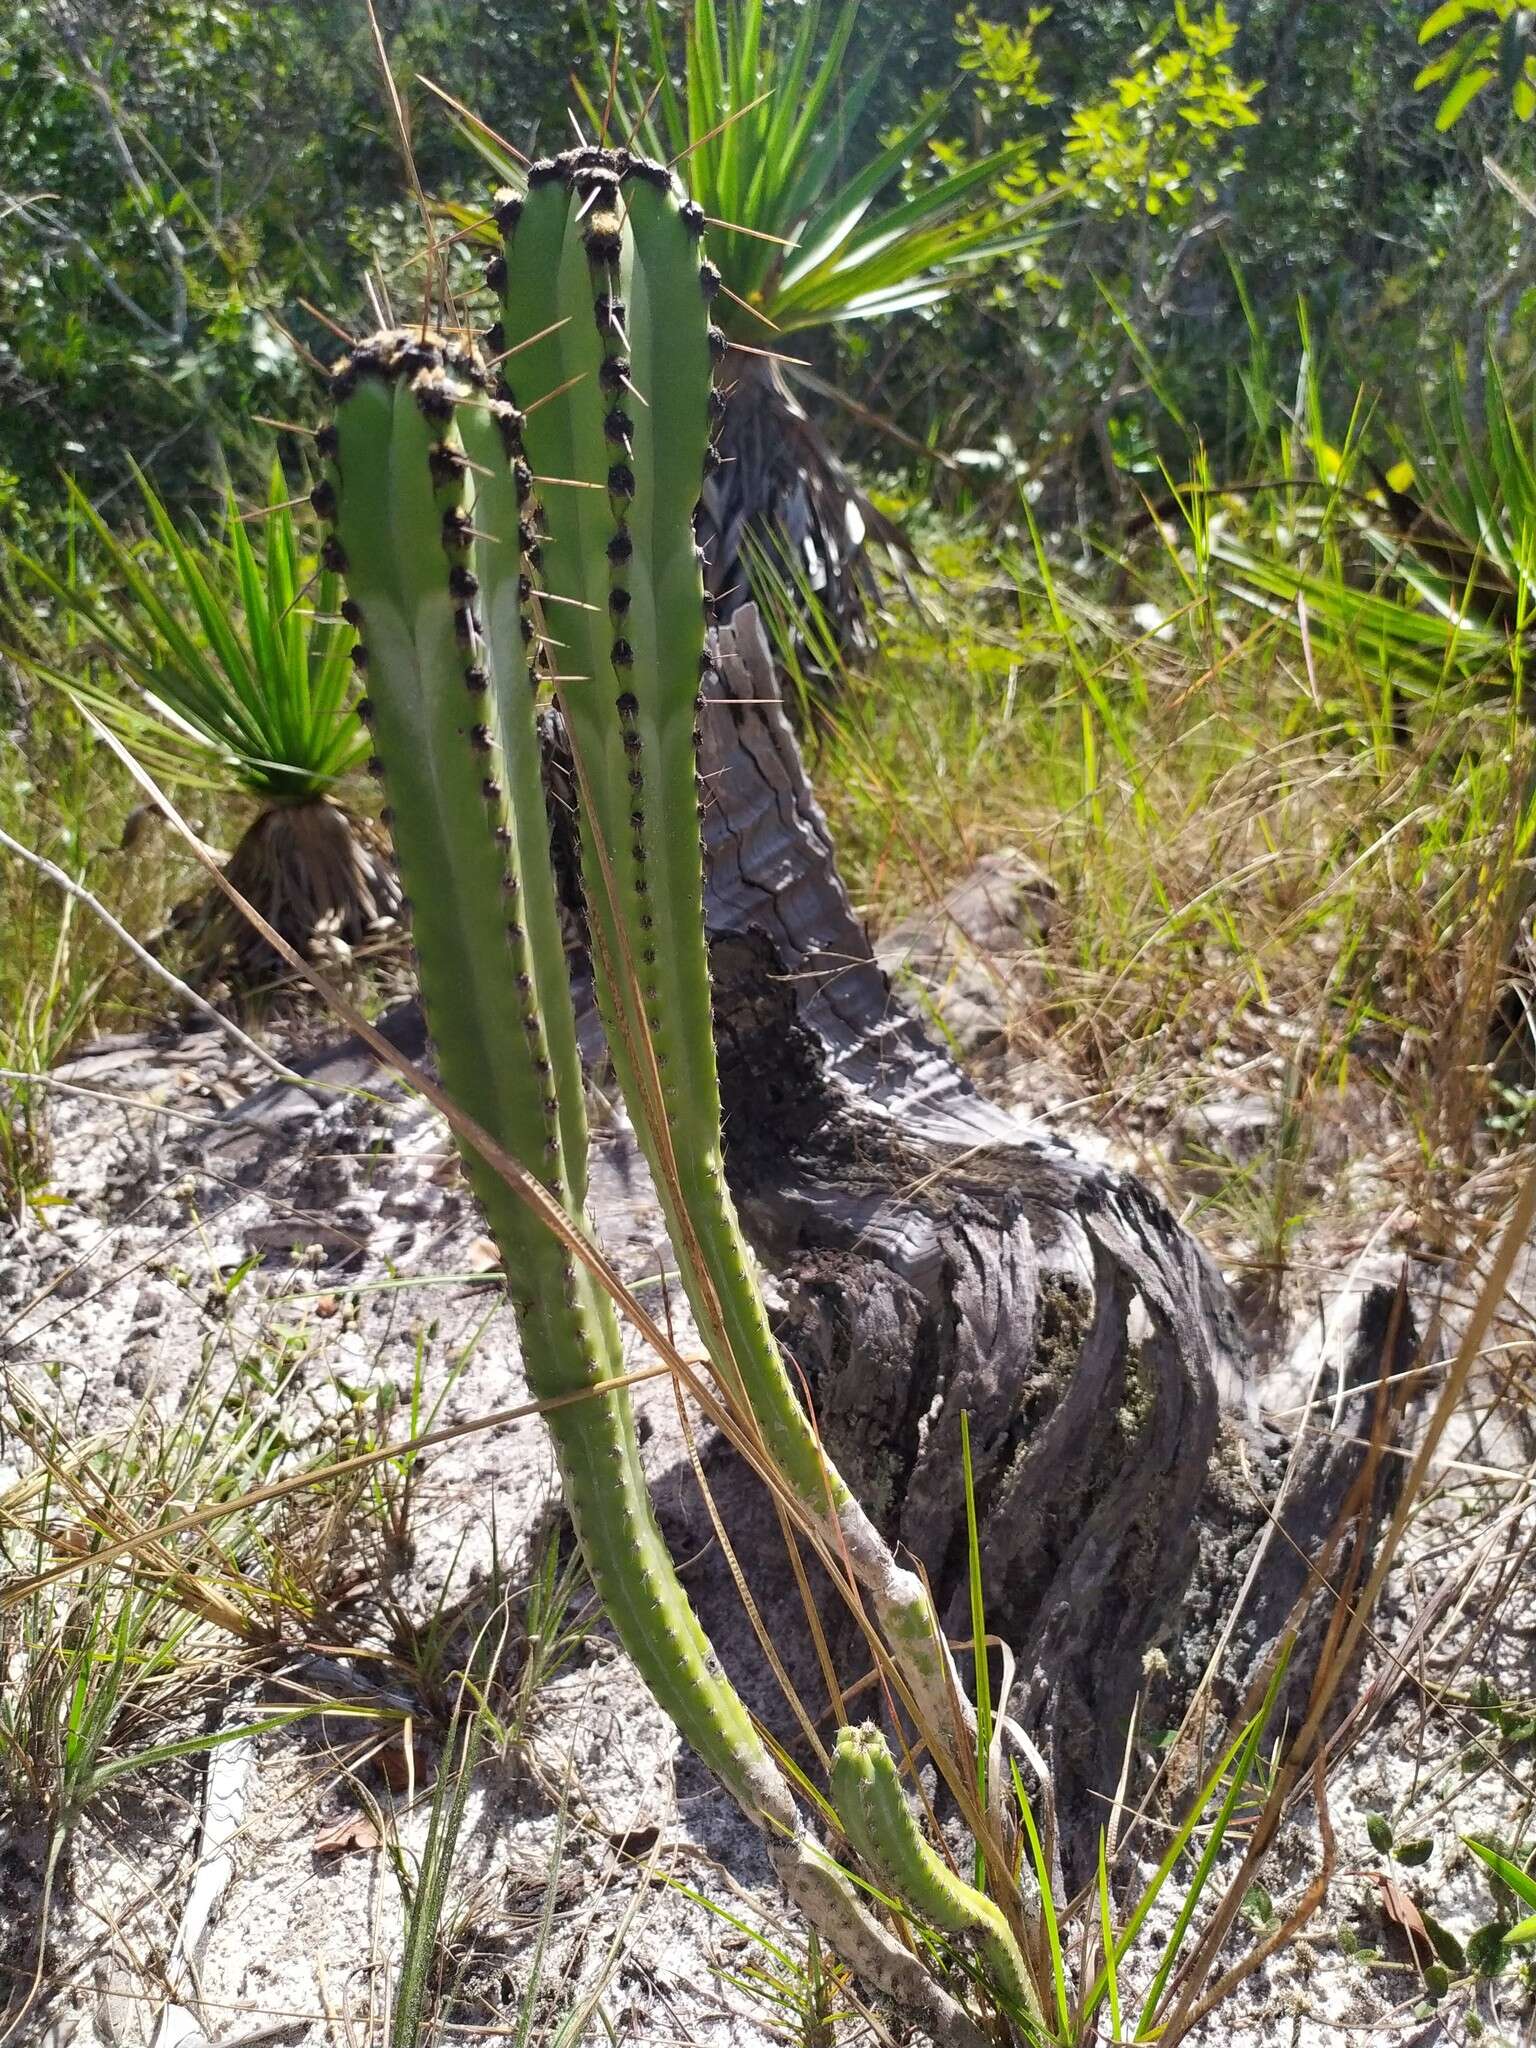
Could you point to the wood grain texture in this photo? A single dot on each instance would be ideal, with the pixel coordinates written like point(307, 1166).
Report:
point(941, 1255)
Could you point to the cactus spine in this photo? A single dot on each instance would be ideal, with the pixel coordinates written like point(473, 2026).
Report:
point(435, 529)
point(603, 288)
point(880, 1823)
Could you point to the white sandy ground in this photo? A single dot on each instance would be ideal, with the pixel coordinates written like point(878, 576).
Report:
point(301, 1946)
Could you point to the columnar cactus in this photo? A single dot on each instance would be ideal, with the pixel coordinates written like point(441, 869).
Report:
point(424, 484)
point(447, 535)
point(430, 503)
point(603, 287)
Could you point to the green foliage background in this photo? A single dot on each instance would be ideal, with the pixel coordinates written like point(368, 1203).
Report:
point(174, 172)
point(179, 175)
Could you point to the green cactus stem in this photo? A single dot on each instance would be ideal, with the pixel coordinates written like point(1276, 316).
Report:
point(879, 1822)
point(426, 532)
point(604, 293)
point(434, 527)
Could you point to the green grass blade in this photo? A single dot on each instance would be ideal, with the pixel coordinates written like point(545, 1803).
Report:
point(983, 1679)
point(1165, 1869)
point(1107, 1935)
point(424, 1915)
point(1519, 1881)
point(528, 2010)
point(1245, 1757)
point(1047, 1905)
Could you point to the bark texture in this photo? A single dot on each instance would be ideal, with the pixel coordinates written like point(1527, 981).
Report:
point(941, 1256)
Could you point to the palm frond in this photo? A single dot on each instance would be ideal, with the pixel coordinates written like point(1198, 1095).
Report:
point(1420, 648)
point(1454, 532)
point(759, 127)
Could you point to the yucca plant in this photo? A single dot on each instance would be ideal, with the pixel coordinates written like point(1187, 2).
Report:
point(762, 123)
point(222, 660)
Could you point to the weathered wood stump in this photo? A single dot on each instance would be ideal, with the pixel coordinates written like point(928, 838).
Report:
point(941, 1256)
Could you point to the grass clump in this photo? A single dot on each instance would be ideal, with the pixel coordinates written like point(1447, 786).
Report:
point(1261, 869)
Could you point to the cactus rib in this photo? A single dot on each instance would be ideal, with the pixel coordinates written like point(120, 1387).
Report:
point(604, 289)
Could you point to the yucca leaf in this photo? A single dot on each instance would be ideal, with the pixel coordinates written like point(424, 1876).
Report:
point(1467, 559)
point(184, 676)
point(803, 165)
point(1419, 647)
point(668, 106)
point(219, 679)
point(794, 113)
point(842, 212)
point(761, 123)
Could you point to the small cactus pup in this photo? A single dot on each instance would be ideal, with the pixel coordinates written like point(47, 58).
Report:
point(431, 525)
point(605, 294)
point(880, 1824)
